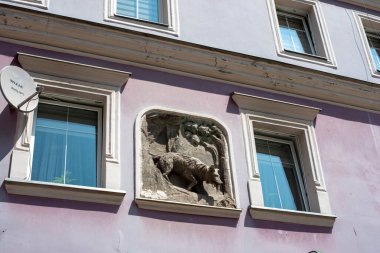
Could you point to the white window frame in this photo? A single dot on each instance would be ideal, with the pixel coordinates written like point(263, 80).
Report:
point(262, 135)
point(79, 84)
point(168, 15)
point(311, 11)
point(34, 3)
point(292, 121)
point(372, 23)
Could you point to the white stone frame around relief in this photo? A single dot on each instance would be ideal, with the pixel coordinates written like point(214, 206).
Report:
point(291, 120)
point(76, 83)
point(180, 207)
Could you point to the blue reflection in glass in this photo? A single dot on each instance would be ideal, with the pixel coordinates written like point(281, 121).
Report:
point(65, 146)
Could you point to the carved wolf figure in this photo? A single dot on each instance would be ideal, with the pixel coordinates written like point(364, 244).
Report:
point(187, 167)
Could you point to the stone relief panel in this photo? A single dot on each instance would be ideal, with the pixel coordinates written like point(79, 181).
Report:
point(185, 158)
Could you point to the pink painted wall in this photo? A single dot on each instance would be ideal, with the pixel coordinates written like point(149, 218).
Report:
point(349, 145)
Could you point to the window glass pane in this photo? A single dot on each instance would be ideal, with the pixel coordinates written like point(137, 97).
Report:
point(65, 146)
point(295, 23)
point(141, 9)
point(127, 8)
point(282, 20)
point(302, 44)
point(374, 44)
point(294, 35)
point(278, 175)
point(269, 186)
point(286, 38)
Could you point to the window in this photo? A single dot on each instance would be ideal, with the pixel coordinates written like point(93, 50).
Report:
point(69, 147)
point(280, 174)
point(300, 31)
point(155, 15)
point(295, 35)
point(369, 30)
point(148, 10)
point(286, 180)
point(35, 3)
point(374, 47)
point(66, 144)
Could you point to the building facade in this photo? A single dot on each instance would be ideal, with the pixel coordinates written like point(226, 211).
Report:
point(186, 126)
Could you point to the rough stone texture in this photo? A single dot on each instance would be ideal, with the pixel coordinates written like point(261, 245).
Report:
point(186, 147)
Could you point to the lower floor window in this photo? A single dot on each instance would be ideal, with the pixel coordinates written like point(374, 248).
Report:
point(66, 145)
point(281, 177)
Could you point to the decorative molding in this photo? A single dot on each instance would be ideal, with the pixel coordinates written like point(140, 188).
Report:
point(286, 120)
point(62, 191)
point(365, 21)
point(62, 34)
point(370, 4)
point(55, 77)
point(169, 26)
point(159, 196)
point(311, 11)
point(73, 70)
point(297, 217)
point(178, 207)
point(272, 106)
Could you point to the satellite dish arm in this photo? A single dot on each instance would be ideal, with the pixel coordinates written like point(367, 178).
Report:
point(39, 90)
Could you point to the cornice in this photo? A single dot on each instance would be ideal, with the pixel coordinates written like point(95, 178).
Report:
point(72, 70)
point(370, 4)
point(67, 34)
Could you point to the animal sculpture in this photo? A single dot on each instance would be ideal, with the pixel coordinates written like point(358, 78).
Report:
point(187, 167)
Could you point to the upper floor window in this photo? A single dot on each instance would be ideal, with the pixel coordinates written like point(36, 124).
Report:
point(154, 15)
point(295, 35)
point(374, 46)
point(149, 10)
point(300, 31)
point(369, 30)
point(35, 3)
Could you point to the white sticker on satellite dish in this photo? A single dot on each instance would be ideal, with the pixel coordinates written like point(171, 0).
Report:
point(17, 87)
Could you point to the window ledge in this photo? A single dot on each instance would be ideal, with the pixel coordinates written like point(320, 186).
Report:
point(290, 216)
point(61, 191)
point(177, 207)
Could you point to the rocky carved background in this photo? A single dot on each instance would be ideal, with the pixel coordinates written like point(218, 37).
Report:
point(185, 159)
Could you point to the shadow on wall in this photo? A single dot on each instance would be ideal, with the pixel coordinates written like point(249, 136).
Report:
point(263, 224)
point(8, 119)
point(56, 203)
point(183, 218)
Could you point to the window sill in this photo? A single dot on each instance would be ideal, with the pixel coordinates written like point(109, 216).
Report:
point(290, 216)
point(147, 22)
point(177, 207)
point(307, 58)
point(61, 191)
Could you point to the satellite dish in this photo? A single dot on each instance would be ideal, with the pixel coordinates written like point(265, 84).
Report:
point(19, 88)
